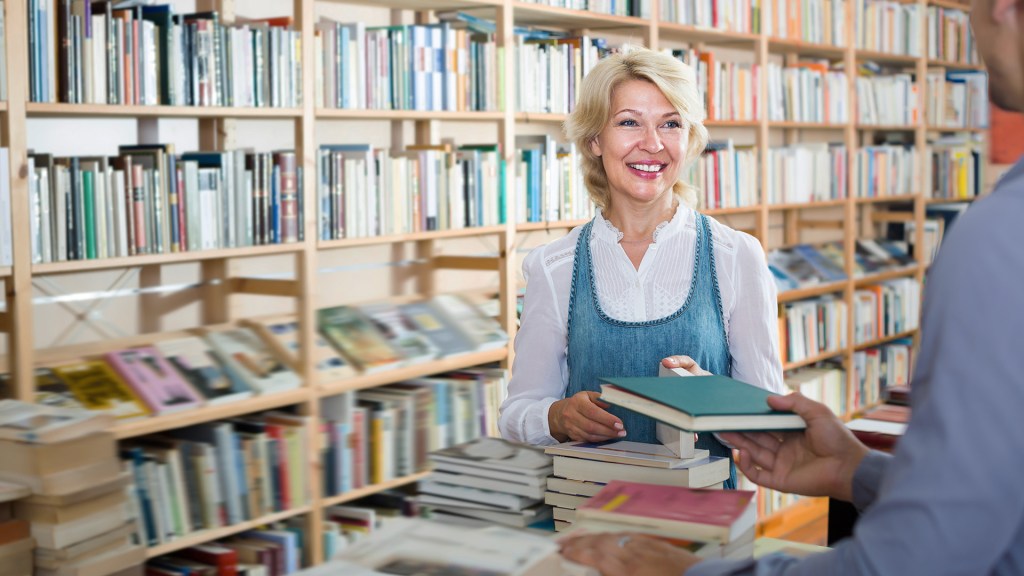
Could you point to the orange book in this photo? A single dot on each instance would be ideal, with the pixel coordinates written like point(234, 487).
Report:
point(708, 59)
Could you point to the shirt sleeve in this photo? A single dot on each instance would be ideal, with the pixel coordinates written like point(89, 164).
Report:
point(753, 320)
point(950, 500)
point(539, 373)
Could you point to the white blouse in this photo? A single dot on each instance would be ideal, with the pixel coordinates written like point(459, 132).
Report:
point(655, 290)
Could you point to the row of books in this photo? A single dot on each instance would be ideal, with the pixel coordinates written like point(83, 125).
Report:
point(365, 191)
point(634, 8)
point(886, 309)
point(150, 55)
point(950, 37)
point(814, 21)
point(725, 175)
point(886, 170)
point(957, 99)
point(549, 71)
point(411, 67)
point(824, 382)
point(957, 168)
point(728, 89)
point(806, 265)
point(888, 26)
point(886, 99)
point(275, 550)
point(807, 92)
point(939, 218)
point(549, 184)
point(877, 369)
point(148, 200)
point(376, 435)
point(727, 15)
point(808, 328)
point(806, 173)
point(217, 474)
point(261, 357)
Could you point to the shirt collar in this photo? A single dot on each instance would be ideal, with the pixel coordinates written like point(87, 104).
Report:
point(605, 231)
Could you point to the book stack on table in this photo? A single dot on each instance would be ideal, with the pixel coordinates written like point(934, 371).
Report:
point(77, 511)
point(581, 469)
point(488, 481)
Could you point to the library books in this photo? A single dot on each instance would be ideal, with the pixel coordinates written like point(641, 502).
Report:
point(34, 423)
point(248, 356)
point(698, 473)
point(355, 335)
point(154, 380)
point(626, 452)
point(888, 26)
point(196, 361)
point(112, 563)
point(98, 387)
point(705, 515)
point(282, 334)
point(400, 332)
point(50, 390)
point(483, 331)
point(700, 403)
point(6, 224)
point(495, 454)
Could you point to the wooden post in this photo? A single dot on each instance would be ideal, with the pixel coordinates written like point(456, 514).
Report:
point(763, 141)
point(508, 277)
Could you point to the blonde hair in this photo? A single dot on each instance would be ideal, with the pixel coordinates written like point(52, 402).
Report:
point(677, 83)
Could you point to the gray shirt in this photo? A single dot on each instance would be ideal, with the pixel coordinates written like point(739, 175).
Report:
point(951, 498)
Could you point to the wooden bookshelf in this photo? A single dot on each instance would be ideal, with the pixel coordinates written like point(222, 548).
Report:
point(375, 488)
point(810, 360)
point(782, 522)
point(884, 340)
point(216, 128)
point(954, 65)
point(953, 4)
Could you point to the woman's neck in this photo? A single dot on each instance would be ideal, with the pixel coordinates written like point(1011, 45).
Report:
point(638, 224)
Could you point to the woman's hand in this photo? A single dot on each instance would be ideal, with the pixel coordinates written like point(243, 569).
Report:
point(583, 416)
point(819, 461)
point(686, 363)
point(634, 554)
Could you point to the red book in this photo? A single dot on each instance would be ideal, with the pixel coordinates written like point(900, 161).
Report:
point(704, 515)
point(223, 558)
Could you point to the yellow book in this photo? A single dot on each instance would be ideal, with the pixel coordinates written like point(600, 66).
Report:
point(98, 387)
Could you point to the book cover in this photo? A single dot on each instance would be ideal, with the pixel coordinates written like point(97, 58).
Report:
point(711, 403)
point(626, 452)
point(400, 332)
point(98, 387)
point(44, 424)
point(700, 514)
point(245, 354)
point(356, 336)
point(436, 326)
point(154, 380)
point(497, 454)
point(197, 363)
point(282, 333)
point(50, 390)
point(485, 332)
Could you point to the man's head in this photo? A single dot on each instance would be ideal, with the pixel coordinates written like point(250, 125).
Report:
point(998, 28)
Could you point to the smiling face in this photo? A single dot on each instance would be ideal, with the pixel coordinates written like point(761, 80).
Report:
point(643, 145)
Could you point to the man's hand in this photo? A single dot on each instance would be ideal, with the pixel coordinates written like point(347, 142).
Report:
point(819, 461)
point(583, 416)
point(623, 553)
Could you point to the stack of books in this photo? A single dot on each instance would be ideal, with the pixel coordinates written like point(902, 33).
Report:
point(581, 469)
point(15, 537)
point(78, 511)
point(709, 523)
point(266, 552)
point(488, 480)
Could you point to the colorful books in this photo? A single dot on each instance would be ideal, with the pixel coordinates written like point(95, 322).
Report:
point(400, 332)
point(282, 334)
point(154, 380)
point(356, 336)
point(706, 515)
point(700, 403)
point(245, 354)
point(197, 363)
point(98, 387)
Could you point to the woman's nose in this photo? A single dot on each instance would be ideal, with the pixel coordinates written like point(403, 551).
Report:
point(651, 141)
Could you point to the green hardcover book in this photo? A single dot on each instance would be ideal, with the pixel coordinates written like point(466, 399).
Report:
point(88, 192)
point(700, 403)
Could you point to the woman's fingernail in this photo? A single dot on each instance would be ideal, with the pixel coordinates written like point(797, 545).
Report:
point(618, 425)
point(622, 433)
point(673, 361)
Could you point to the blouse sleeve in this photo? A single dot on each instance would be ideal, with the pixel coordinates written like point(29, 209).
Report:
point(539, 372)
point(753, 320)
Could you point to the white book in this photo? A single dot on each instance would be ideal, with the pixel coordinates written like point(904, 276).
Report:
point(490, 497)
point(6, 225)
point(699, 474)
point(627, 452)
point(483, 483)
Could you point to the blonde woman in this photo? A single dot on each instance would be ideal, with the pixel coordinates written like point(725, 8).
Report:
point(648, 280)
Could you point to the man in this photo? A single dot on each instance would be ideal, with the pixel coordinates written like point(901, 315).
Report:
point(949, 501)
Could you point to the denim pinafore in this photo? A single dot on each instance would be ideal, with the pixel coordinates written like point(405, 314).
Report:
point(600, 346)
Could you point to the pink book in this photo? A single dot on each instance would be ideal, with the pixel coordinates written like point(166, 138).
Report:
point(154, 379)
point(705, 515)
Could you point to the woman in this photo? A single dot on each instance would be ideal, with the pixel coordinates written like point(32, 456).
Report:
point(651, 280)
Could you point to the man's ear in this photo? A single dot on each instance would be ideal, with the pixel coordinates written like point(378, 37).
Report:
point(1003, 9)
point(595, 146)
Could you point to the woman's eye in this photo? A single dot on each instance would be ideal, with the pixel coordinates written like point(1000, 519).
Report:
point(673, 124)
point(628, 122)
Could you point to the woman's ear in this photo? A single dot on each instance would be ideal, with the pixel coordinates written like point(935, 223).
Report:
point(595, 146)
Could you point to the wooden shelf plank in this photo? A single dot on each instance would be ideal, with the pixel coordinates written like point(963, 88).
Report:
point(952, 4)
point(540, 117)
point(956, 129)
point(5, 271)
point(558, 225)
point(734, 210)
point(686, 33)
point(375, 488)
point(887, 127)
point(156, 424)
point(777, 524)
point(44, 109)
point(807, 205)
point(949, 200)
point(787, 125)
point(732, 123)
point(885, 57)
point(884, 339)
point(811, 291)
point(813, 359)
point(467, 116)
point(440, 5)
point(887, 275)
point(954, 65)
point(3, 106)
point(793, 46)
point(884, 199)
point(528, 14)
point(459, 362)
point(173, 258)
point(216, 533)
point(412, 237)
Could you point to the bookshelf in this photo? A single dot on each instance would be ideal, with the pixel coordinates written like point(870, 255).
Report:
point(775, 225)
